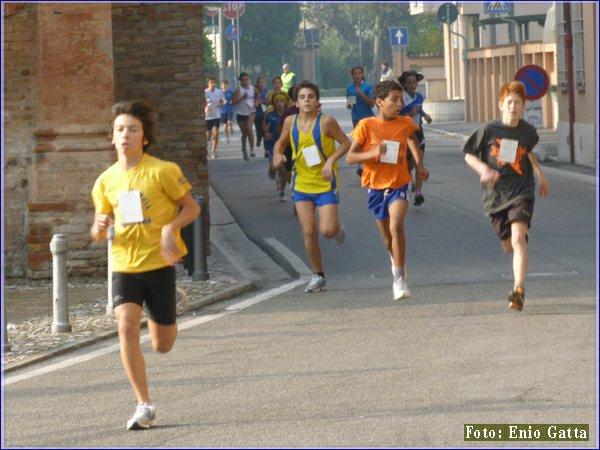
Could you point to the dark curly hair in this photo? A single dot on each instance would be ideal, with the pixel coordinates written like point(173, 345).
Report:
point(142, 110)
point(383, 88)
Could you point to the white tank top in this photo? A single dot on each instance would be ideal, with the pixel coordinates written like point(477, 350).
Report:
point(246, 106)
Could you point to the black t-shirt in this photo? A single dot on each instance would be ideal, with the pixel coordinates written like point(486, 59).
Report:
point(516, 176)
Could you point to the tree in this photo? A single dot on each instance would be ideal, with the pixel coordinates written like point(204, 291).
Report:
point(268, 37)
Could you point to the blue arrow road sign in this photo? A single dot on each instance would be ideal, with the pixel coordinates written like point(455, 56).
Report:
point(399, 36)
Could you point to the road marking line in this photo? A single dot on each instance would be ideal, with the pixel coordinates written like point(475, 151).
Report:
point(290, 256)
point(545, 274)
point(266, 295)
point(8, 380)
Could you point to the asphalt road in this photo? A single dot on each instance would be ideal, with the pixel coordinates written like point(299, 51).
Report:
point(350, 367)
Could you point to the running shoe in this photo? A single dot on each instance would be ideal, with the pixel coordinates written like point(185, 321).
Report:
point(181, 301)
point(252, 154)
point(282, 197)
point(400, 288)
point(143, 418)
point(340, 236)
point(419, 199)
point(316, 284)
point(245, 155)
point(516, 299)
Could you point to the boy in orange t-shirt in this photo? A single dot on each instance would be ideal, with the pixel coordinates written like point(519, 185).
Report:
point(381, 143)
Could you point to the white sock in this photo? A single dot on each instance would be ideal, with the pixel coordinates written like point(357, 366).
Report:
point(398, 272)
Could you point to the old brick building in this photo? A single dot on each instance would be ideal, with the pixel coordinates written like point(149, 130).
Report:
point(65, 64)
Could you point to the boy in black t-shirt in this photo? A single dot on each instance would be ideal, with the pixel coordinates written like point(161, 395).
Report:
point(501, 153)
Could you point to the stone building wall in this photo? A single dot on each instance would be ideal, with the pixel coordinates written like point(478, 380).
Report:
point(65, 64)
point(20, 116)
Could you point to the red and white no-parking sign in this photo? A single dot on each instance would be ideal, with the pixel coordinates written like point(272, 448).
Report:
point(233, 9)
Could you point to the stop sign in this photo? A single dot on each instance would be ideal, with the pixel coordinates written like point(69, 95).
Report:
point(212, 11)
point(233, 9)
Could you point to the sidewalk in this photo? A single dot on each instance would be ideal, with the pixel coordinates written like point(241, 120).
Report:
point(28, 305)
point(548, 141)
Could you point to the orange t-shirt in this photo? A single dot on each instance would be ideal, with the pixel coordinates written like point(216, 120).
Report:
point(369, 133)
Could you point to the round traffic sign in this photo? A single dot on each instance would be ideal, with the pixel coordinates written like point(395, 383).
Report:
point(233, 9)
point(212, 11)
point(535, 79)
point(447, 13)
point(233, 32)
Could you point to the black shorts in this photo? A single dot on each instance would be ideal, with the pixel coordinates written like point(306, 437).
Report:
point(241, 117)
point(289, 163)
point(156, 288)
point(421, 142)
point(519, 211)
point(211, 123)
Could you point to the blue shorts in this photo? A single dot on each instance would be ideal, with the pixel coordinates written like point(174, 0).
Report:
point(381, 199)
point(226, 116)
point(322, 199)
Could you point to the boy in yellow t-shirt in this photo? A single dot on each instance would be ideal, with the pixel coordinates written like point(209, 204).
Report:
point(148, 201)
point(381, 143)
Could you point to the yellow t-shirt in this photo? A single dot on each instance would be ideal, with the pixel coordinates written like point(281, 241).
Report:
point(305, 178)
point(136, 247)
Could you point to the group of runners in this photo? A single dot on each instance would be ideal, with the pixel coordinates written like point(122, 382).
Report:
point(148, 200)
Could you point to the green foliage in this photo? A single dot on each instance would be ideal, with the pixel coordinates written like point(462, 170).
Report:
point(268, 37)
point(371, 21)
point(210, 63)
point(336, 57)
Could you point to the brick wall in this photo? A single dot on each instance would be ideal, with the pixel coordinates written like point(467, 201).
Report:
point(158, 56)
point(20, 116)
point(65, 64)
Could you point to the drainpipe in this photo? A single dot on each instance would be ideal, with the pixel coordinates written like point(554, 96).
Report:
point(570, 78)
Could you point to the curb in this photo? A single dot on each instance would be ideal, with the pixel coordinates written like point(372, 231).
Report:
point(227, 293)
point(574, 175)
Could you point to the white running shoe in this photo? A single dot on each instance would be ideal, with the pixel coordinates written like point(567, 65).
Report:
point(316, 284)
point(400, 288)
point(143, 417)
point(340, 236)
point(181, 301)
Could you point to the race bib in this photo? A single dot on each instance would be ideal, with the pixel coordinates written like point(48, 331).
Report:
point(508, 150)
point(391, 153)
point(311, 156)
point(130, 207)
point(351, 100)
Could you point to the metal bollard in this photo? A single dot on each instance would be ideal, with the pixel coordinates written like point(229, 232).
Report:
point(199, 252)
point(110, 235)
point(60, 302)
point(5, 344)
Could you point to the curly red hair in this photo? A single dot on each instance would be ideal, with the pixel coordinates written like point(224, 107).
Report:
point(514, 87)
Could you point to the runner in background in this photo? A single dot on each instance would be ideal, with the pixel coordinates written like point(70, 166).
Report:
point(359, 100)
point(227, 109)
point(413, 108)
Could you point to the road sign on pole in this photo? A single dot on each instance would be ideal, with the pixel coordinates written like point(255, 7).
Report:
point(447, 13)
point(535, 79)
point(399, 36)
point(233, 32)
point(212, 11)
point(497, 7)
point(233, 10)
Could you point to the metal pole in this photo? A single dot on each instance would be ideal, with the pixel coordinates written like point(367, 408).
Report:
point(234, 51)
point(200, 269)
point(570, 79)
point(60, 301)
point(110, 235)
point(222, 62)
point(239, 53)
point(5, 344)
